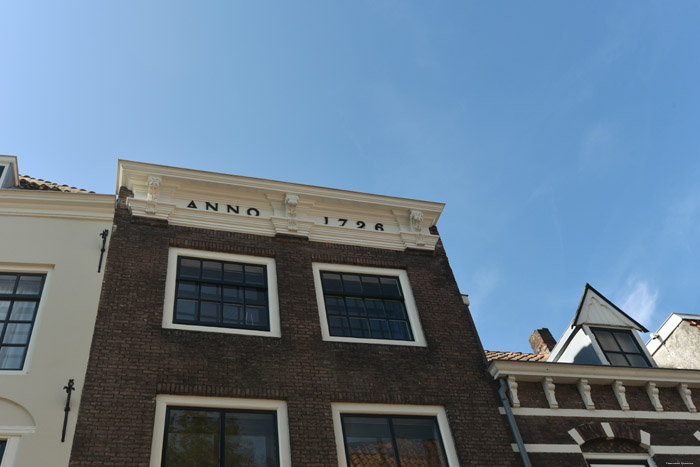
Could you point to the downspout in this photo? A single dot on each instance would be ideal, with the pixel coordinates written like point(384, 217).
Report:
point(513, 424)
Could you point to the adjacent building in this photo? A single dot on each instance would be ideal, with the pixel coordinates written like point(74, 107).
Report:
point(676, 344)
point(255, 322)
point(598, 397)
point(52, 243)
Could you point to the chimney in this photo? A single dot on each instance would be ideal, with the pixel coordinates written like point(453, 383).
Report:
point(542, 341)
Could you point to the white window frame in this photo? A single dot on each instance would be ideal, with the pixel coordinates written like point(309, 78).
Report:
point(272, 297)
point(164, 401)
point(409, 303)
point(18, 268)
point(616, 459)
point(340, 408)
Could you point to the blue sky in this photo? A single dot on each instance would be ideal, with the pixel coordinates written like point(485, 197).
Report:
point(562, 135)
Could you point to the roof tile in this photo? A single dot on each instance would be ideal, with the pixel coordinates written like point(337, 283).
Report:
point(29, 183)
point(520, 356)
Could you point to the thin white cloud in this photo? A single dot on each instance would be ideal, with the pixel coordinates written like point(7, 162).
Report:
point(599, 147)
point(640, 301)
point(485, 282)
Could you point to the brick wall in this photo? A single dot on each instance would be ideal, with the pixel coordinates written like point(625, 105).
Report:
point(133, 358)
point(553, 429)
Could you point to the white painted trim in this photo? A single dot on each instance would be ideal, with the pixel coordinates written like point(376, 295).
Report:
point(607, 429)
point(272, 296)
point(10, 164)
point(437, 411)
point(644, 439)
point(549, 448)
point(629, 414)
point(163, 401)
point(576, 435)
point(596, 346)
point(614, 459)
point(674, 450)
point(177, 187)
point(57, 204)
point(409, 302)
point(41, 306)
point(131, 170)
point(570, 373)
point(10, 455)
point(13, 435)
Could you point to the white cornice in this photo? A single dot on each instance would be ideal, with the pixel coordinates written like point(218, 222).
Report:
point(569, 373)
point(209, 200)
point(10, 161)
point(60, 205)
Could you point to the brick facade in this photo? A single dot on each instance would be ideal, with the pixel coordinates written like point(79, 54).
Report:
point(665, 437)
point(134, 359)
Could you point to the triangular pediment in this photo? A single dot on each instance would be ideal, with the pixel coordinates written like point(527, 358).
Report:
point(596, 310)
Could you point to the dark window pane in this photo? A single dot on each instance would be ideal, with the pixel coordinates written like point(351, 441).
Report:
point(17, 333)
point(29, 285)
point(211, 292)
point(23, 311)
point(331, 282)
point(256, 316)
point(215, 295)
point(395, 310)
point(7, 283)
point(187, 289)
point(391, 287)
point(251, 440)
point(255, 297)
point(352, 284)
point(626, 341)
point(192, 438)
point(233, 294)
point(335, 306)
point(189, 268)
point(607, 341)
point(370, 286)
point(338, 326)
point(211, 270)
point(11, 358)
point(355, 306)
point(418, 441)
point(364, 296)
point(209, 312)
point(17, 312)
point(254, 275)
point(399, 330)
point(186, 310)
point(234, 314)
point(637, 360)
point(379, 329)
point(617, 359)
point(375, 308)
point(4, 309)
point(233, 273)
point(368, 441)
point(359, 327)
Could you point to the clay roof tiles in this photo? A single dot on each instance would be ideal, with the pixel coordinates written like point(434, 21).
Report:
point(29, 183)
point(520, 356)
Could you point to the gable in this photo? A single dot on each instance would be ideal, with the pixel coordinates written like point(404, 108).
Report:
point(594, 309)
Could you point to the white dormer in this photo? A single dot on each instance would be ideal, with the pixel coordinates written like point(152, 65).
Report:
point(9, 177)
point(602, 334)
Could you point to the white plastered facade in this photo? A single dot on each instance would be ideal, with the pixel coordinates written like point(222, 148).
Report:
point(56, 234)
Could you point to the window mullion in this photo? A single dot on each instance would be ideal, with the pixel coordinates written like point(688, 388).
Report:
point(393, 442)
point(222, 439)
